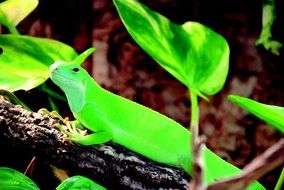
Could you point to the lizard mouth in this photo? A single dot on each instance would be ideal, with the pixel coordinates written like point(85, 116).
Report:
point(58, 77)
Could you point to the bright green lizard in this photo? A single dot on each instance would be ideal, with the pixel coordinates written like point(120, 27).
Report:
point(138, 128)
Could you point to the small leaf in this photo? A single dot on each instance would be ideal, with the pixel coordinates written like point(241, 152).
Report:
point(25, 60)
point(194, 54)
point(12, 12)
point(268, 17)
point(79, 183)
point(272, 115)
point(11, 179)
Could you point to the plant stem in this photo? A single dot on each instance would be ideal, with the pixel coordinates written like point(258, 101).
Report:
point(51, 92)
point(13, 98)
point(194, 113)
point(197, 145)
point(280, 180)
point(52, 104)
point(13, 30)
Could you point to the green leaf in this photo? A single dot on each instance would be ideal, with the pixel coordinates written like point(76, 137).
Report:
point(79, 183)
point(12, 12)
point(11, 179)
point(25, 61)
point(272, 115)
point(268, 17)
point(194, 54)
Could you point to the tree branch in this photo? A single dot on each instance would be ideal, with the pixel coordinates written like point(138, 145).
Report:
point(108, 164)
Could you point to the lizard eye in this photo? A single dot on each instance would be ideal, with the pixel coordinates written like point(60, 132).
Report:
point(75, 69)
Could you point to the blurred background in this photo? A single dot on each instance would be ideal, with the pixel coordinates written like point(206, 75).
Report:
point(121, 66)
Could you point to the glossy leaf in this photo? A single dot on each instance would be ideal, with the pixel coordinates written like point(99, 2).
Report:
point(79, 183)
point(25, 60)
point(11, 179)
point(272, 115)
point(12, 12)
point(193, 53)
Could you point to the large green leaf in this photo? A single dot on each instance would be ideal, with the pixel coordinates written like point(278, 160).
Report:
point(11, 179)
point(12, 12)
point(193, 53)
point(272, 115)
point(25, 61)
point(79, 183)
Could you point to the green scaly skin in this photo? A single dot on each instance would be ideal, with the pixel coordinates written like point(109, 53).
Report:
point(136, 127)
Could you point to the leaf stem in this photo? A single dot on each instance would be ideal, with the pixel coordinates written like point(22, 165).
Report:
point(13, 98)
point(194, 113)
point(52, 93)
point(13, 30)
point(280, 180)
point(52, 104)
point(197, 145)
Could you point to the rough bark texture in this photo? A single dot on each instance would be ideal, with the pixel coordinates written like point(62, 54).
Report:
point(110, 164)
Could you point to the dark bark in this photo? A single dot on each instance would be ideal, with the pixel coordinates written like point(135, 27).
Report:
point(109, 164)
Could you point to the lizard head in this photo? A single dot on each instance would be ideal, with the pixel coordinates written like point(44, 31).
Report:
point(70, 74)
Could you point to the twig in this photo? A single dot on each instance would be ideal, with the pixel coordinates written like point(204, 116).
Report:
point(270, 159)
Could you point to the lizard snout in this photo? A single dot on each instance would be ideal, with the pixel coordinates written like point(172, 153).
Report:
point(53, 67)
